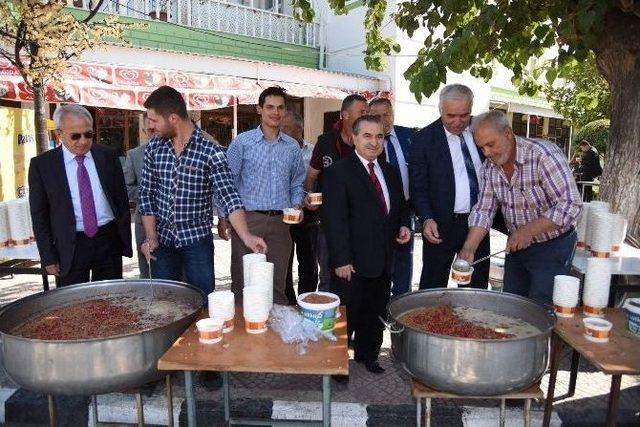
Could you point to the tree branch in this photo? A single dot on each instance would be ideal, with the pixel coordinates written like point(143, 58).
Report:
point(92, 12)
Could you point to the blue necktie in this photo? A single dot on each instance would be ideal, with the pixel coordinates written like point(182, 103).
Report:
point(471, 172)
point(391, 153)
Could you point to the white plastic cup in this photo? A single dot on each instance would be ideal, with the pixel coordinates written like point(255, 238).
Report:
point(292, 216)
point(247, 260)
point(597, 330)
point(209, 330)
point(461, 277)
point(315, 199)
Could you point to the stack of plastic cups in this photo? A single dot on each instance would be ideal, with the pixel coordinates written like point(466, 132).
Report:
point(594, 207)
point(602, 230)
point(222, 306)
point(19, 222)
point(255, 308)
point(597, 282)
point(261, 275)
point(566, 292)
point(581, 227)
point(247, 260)
point(5, 234)
point(619, 232)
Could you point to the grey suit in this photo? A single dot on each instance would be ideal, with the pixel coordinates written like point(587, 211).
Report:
point(132, 175)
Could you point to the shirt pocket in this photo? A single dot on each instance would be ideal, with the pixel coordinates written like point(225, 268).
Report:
point(534, 199)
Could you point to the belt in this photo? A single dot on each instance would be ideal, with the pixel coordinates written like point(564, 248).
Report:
point(101, 229)
point(461, 216)
point(561, 236)
point(269, 213)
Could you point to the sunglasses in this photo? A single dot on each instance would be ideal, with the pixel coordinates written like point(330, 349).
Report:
point(76, 136)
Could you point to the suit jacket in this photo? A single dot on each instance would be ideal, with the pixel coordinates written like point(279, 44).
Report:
point(357, 230)
point(404, 135)
point(54, 222)
point(133, 174)
point(590, 165)
point(432, 179)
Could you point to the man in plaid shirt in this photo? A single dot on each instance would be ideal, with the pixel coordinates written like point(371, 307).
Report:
point(532, 183)
point(183, 171)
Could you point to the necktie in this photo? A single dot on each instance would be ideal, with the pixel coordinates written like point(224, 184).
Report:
point(471, 172)
point(378, 187)
point(89, 218)
point(391, 153)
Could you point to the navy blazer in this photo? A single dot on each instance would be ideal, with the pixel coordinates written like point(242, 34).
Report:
point(404, 135)
point(432, 181)
point(357, 230)
point(54, 221)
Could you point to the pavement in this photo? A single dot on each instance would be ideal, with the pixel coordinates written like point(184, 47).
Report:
point(367, 400)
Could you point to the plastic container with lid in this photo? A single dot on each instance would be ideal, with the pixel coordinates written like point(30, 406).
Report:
point(632, 309)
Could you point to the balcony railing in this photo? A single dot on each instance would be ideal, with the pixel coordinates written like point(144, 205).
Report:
point(220, 16)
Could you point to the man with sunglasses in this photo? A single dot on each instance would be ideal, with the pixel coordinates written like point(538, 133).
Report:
point(79, 204)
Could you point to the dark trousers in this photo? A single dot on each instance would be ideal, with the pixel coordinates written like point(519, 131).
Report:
point(322, 251)
point(402, 268)
point(304, 239)
point(193, 262)
point(437, 259)
point(366, 299)
point(530, 272)
point(97, 258)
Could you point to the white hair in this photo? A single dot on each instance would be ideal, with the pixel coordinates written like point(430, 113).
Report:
point(496, 118)
point(457, 92)
point(71, 109)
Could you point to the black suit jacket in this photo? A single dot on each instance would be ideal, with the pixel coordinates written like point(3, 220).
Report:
point(54, 223)
point(432, 180)
point(357, 230)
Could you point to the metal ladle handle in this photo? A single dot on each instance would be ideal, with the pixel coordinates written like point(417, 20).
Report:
point(390, 326)
point(487, 257)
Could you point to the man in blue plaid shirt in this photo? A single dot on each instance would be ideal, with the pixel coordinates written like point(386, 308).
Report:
point(269, 172)
point(183, 171)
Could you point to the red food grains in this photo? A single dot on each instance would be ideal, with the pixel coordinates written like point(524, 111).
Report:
point(91, 319)
point(443, 320)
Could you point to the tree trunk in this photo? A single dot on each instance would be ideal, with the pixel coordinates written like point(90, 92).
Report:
point(618, 57)
point(40, 121)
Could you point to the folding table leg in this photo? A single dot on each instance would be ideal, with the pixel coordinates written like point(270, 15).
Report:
point(556, 348)
point(573, 375)
point(614, 397)
point(326, 400)
point(226, 397)
point(191, 399)
point(427, 412)
point(527, 413)
point(503, 411)
point(418, 411)
point(169, 401)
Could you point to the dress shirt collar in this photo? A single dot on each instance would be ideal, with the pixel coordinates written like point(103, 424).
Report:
point(392, 133)
point(260, 135)
point(366, 162)
point(195, 135)
point(69, 157)
point(449, 134)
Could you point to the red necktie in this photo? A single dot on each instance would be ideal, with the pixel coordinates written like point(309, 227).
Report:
point(87, 205)
point(378, 186)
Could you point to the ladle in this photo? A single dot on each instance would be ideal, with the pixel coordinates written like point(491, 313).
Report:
point(463, 265)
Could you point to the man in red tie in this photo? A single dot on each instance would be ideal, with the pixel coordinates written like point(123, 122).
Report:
point(365, 215)
point(79, 204)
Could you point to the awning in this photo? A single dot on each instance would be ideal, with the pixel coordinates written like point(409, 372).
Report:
point(123, 87)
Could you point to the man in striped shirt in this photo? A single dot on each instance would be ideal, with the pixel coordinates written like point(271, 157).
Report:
point(531, 182)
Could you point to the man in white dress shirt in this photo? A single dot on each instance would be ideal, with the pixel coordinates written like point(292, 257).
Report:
point(444, 167)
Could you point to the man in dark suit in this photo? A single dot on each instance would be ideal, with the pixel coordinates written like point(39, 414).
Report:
point(445, 171)
point(590, 168)
point(365, 215)
point(396, 153)
point(79, 204)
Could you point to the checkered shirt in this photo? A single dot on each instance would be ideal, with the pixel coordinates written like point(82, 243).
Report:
point(541, 186)
point(179, 191)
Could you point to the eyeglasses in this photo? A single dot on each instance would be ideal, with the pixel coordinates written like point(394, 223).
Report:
point(76, 136)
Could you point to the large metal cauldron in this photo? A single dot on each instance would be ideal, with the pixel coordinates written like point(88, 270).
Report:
point(91, 366)
point(479, 367)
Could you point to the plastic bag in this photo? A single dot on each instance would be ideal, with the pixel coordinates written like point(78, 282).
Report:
point(292, 327)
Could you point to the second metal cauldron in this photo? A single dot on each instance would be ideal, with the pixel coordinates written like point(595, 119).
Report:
point(464, 366)
point(91, 366)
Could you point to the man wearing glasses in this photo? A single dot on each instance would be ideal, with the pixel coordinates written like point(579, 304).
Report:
point(79, 204)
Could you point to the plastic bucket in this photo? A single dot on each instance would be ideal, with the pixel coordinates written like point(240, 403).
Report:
point(633, 315)
point(323, 315)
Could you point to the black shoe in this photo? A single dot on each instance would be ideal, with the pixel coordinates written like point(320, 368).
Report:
point(374, 367)
point(340, 379)
point(211, 380)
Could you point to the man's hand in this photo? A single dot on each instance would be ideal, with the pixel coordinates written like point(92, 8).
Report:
point(255, 243)
point(345, 272)
point(224, 228)
point(466, 254)
point(148, 246)
point(404, 235)
point(519, 240)
point(308, 206)
point(430, 232)
point(53, 269)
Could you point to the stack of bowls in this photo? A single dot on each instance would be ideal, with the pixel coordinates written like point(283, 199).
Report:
point(222, 306)
point(619, 232)
point(247, 260)
point(566, 293)
point(581, 227)
point(255, 307)
point(597, 282)
point(261, 275)
point(602, 234)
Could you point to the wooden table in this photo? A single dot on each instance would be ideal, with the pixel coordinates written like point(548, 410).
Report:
point(421, 391)
point(266, 353)
point(620, 356)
